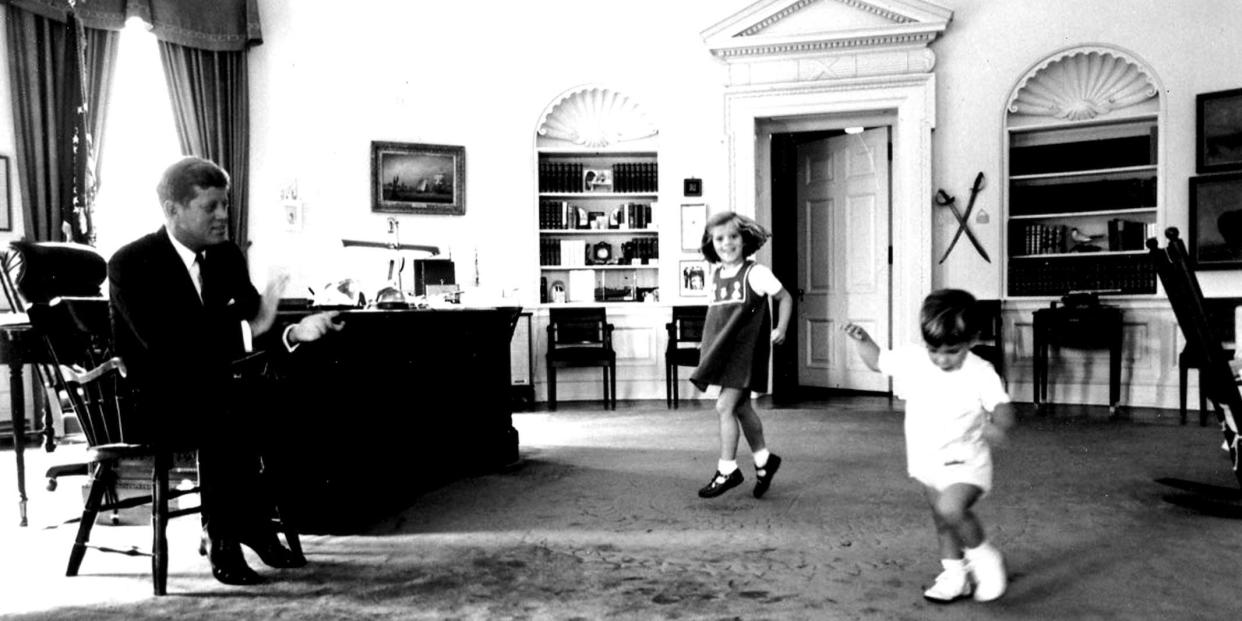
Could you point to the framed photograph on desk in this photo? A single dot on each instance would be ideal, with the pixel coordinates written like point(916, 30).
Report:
point(1215, 240)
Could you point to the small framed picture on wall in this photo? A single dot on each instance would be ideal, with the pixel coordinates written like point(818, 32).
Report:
point(1218, 131)
point(693, 278)
point(693, 219)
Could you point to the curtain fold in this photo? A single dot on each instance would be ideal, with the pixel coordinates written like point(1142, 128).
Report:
point(210, 94)
point(39, 60)
point(201, 24)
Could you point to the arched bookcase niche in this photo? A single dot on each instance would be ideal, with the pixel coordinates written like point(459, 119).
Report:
point(598, 215)
point(1084, 166)
point(595, 117)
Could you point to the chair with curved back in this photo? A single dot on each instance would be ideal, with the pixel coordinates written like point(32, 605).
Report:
point(34, 273)
point(1217, 378)
point(685, 334)
point(581, 337)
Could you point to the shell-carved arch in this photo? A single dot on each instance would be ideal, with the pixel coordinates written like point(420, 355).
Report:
point(1082, 83)
point(596, 117)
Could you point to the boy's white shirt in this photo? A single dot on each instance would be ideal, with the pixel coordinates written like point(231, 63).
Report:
point(945, 410)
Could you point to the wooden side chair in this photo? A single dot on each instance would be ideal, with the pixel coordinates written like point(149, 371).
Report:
point(1220, 320)
point(991, 345)
point(685, 335)
point(79, 333)
point(581, 337)
point(1217, 377)
point(34, 273)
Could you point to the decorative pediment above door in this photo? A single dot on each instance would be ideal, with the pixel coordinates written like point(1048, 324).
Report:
point(856, 37)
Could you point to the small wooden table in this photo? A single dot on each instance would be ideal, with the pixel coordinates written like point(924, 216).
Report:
point(1087, 327)
point(13, 344)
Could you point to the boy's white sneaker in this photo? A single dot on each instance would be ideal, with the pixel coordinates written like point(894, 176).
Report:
point(988, 568)
point(952, 584)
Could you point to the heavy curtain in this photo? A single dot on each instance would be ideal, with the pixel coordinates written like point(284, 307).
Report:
point(210, 96)
point(203, 46)
point(60, 74)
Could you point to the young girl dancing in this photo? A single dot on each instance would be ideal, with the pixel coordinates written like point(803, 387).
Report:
point(736, 343)
point(956, 408)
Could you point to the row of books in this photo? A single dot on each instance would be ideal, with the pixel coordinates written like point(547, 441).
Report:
point(562, 215)
point(577, 252)
point(624, 177)
point(1119, 274)
point(1038, 238)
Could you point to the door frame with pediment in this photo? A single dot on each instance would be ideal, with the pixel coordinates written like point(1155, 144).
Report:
point(871, 61)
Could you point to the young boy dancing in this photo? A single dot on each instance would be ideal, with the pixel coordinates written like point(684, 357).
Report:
point(956, 410)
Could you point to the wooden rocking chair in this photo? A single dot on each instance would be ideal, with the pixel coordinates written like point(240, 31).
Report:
point(1217, 379)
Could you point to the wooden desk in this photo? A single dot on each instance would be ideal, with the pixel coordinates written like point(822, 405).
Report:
point(395, 403)
point(1086, 327)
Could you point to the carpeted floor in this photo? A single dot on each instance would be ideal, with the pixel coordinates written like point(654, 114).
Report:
point(600, 521)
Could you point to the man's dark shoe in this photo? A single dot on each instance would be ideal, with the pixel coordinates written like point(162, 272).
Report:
point(720, 484)
point(763, 476)
point(273, 553)
point(228, 565)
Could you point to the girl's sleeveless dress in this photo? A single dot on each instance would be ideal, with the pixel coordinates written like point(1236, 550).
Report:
point(736, 335)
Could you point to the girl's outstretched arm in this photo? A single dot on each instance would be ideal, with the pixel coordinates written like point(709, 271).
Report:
point(867, 347)
point(784, 309)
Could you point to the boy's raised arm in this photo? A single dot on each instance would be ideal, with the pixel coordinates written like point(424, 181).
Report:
point(867, 348)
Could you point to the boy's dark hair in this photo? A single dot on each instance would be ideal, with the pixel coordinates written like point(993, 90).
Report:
point(949, 317)
point(753, 234)
point(182, 180)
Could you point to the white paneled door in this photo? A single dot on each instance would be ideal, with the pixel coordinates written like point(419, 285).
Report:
point(843, 258)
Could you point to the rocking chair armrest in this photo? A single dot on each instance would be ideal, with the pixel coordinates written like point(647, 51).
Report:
point(76, 374)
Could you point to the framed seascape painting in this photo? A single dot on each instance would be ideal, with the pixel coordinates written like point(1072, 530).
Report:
point(414, 178)
point(1218, 131)
point(1215, 239)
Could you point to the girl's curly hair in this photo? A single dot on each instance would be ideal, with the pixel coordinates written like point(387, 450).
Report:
point(753, 234)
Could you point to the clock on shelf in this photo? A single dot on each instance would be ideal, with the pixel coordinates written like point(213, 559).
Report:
point(602, 252)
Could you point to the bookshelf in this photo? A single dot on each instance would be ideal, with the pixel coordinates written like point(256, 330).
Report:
point(1082, 189)
point(598, 225)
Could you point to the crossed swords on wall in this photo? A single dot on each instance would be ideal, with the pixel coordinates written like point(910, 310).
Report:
point(963, 219)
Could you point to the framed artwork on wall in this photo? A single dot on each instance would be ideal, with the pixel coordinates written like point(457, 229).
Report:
point(418, 178)
point(6, 196)
point(1215, 239)
point(693, 278)
point(1218, 131)
point(693, 219)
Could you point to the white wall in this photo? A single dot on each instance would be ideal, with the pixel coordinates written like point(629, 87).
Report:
point(331, 77)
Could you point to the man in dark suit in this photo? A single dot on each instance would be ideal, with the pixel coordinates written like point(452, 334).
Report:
point(183, 309)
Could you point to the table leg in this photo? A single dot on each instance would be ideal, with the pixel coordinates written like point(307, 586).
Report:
point(1114, 368)
point(1040, 373)
point(17, 402)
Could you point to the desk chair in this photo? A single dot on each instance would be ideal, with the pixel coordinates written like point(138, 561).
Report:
point(79, 334)
point(581, 337)
point(1217, 378)
point(36, 272)
point(685, 335)
point(1220, 320)
point(991, 345)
